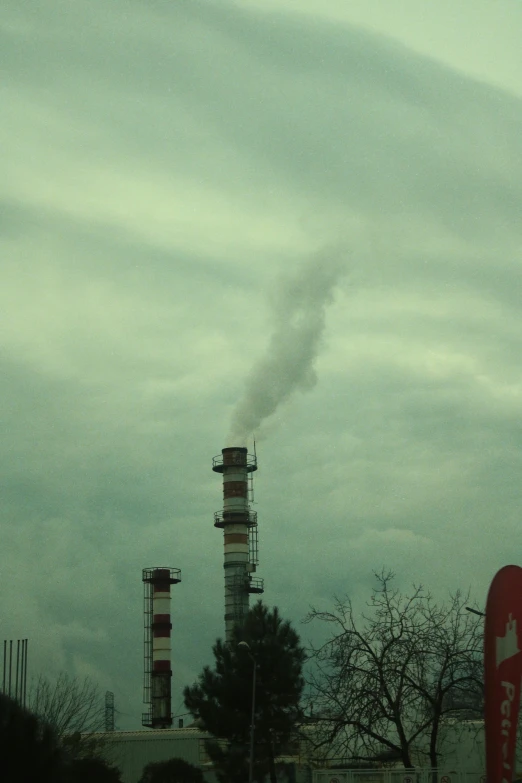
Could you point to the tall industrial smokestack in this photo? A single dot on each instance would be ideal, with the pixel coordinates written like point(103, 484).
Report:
point(158, 667)
point(239, 525)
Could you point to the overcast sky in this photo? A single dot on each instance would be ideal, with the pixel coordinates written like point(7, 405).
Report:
point(211, 208)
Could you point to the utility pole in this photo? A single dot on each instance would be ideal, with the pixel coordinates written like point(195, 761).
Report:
point(246, 647)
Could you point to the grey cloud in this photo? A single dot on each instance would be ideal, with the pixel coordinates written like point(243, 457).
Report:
point(343, 113)
point(380, 127)
point(118, 255)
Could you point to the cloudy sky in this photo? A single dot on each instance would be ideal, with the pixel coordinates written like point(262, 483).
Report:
point(301, 217)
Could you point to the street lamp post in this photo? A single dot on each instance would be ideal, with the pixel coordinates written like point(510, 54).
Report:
point(245, 646)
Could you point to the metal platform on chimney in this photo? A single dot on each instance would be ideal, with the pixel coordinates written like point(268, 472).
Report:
point(255, 585)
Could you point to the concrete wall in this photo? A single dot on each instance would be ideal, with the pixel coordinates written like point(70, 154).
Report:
point(131, 751)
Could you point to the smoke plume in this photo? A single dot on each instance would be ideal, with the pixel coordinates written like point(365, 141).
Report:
point(299, 320)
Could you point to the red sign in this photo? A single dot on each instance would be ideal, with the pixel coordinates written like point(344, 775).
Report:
point(502, 672)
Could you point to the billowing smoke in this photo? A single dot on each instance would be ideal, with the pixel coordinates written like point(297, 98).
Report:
point(299, 320)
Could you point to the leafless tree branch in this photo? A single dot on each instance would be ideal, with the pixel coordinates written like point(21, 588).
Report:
point(73, 707)
point(390, 679)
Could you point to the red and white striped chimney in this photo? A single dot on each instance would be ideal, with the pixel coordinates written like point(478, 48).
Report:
point(158, 626)
point(239, 526)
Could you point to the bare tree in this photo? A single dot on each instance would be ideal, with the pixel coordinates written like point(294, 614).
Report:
point(74, 708)
point(387, 686)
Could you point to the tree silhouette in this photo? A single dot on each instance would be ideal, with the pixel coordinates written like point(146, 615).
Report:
point(91, 770)
point(172, 771)
point(386, 683)
point(222, 697)
point(29, 748)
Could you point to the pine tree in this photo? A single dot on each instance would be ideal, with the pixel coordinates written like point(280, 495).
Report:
point(222, 697)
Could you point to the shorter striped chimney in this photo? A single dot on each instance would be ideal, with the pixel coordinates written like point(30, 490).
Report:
point(158, 667)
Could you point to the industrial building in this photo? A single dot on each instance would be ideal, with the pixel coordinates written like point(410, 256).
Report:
point(131, 751)
point(462, 762)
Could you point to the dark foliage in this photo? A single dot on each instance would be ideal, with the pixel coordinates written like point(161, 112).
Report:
point(172, 771)
point(29, 748)
point(91, 770)
point(222, 696)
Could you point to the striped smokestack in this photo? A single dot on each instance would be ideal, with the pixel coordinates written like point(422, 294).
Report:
point(239, 532)
point(158, 626)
